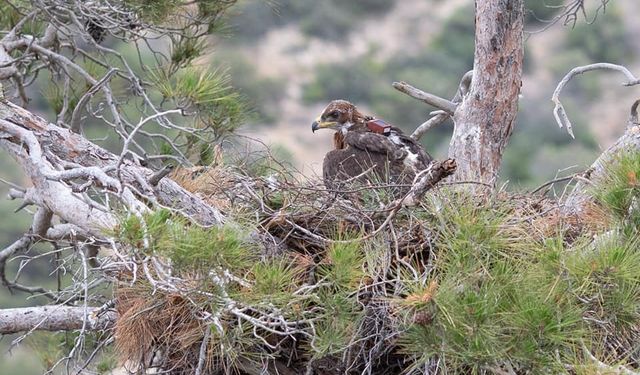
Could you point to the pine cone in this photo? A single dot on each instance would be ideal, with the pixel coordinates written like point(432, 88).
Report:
point(96, 31)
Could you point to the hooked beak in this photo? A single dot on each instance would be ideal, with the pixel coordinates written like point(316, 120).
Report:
point(319, 124)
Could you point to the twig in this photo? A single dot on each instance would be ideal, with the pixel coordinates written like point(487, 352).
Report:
point(159, 175)
point(203, 350)
point(561, 179)
point(75, 124)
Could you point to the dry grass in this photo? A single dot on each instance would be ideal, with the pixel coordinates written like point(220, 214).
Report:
point(213, 184)
point(153, 326)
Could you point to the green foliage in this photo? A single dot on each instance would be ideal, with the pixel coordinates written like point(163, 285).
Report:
point(329, 19)
point(234, 348)
point(12, 12)
point(207, 94)
point(132, 230)
point(154, 11)
point(607, 281)
point(502, 296)
point(190, 247)
point(620, 188)
point(164, 11)
point(342, 266)
point(185, 49)
point(275, 279)
point(201, 249)
point(337, 327)
point(107, 363)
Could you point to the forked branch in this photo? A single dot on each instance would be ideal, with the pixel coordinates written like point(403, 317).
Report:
point(441, 115)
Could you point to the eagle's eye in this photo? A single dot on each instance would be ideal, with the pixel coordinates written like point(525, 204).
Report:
point(334, 114)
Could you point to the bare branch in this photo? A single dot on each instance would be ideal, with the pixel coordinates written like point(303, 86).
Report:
point(430, 123)
point(559, 112)
point(90, 160)
point(436, 101)
point(75, 124)
point(159, 175)
point(441, 116)
point(427, 179)
point(54, 318)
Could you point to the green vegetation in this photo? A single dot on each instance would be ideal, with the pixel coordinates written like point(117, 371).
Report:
point(191, 248)
point(329, 19)
point(621, 192)
point(493, 289)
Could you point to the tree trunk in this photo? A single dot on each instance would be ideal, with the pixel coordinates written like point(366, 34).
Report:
point(486, 117)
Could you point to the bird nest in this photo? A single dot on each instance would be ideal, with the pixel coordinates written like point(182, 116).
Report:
point(319, 281)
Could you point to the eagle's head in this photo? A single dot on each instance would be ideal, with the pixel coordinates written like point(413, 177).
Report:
point(339, 115)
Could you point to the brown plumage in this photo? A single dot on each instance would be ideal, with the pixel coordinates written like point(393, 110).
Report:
point(392, 158)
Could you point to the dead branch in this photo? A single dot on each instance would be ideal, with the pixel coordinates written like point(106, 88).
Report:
point(427, 179)
point(54, 318)
point(51, 148)
point(559, 112)
point(434, 100)
point(439, 118)
point(570, 12)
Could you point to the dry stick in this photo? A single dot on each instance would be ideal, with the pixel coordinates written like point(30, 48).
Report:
point(159, 175)
point(561, 179)
point(203, 350)
point(75, 116)
point(423, 182)
point(559, 112)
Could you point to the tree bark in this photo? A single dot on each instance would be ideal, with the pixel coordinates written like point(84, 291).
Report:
point(486, 117)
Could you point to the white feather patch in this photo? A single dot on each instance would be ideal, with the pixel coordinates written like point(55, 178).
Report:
point(411, 159)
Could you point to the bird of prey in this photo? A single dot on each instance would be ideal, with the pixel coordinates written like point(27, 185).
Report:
point(367, 149)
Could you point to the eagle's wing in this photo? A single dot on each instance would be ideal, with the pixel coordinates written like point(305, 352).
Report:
point(374, 143)
point(415, 151)
point(369, 156)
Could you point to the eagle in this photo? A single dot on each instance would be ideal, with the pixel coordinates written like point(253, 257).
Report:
point(367, 149)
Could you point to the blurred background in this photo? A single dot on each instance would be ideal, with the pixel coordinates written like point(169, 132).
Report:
point(289, 58)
